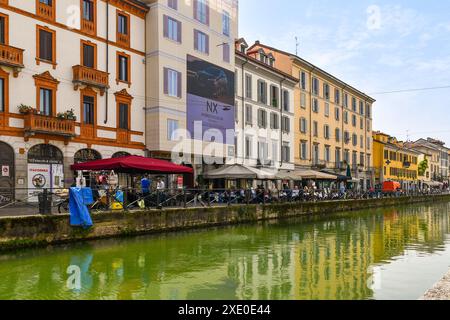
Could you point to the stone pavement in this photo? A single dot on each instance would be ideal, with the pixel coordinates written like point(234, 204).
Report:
point(441, 291)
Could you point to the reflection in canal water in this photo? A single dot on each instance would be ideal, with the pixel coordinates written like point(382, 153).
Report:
point(360, 255)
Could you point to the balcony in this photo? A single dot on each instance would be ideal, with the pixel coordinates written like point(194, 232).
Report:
point(11, 57)
point(319, 164)
point(123, 39)
point(90, 77)
point(45, 11)
point(88, 27)
point(39, 124)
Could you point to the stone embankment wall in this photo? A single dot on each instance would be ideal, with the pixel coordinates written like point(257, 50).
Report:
point(20, 232)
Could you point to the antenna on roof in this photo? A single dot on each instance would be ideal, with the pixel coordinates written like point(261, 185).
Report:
point(297, 44)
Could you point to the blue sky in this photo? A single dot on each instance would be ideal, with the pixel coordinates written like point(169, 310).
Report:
point(376, 46)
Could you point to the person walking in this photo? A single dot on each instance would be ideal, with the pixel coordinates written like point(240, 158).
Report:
point(145, 188)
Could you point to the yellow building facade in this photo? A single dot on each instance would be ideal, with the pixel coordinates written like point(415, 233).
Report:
point(333, 120)
point(393, 161)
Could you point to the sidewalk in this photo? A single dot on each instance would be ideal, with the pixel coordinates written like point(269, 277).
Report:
point(441, 291)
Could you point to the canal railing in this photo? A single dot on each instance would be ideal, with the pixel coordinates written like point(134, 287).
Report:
point(25, 201)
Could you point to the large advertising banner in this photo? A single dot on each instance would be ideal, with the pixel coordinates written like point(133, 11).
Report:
point(210, 98)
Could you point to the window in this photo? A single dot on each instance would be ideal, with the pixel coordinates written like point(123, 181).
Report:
point(201, 11)
point(172, 29)
point(346, 137)
point(303, 125)
point(345, 117)
point(123, 28)
point(262, 118)
point(337, 156)
point(263, 152)
point(326, 131)
point(368, 111)
point(173, 4)
point(361, 141)
point(346, 100)
point(347, 156)
point(315, 129)
point(248, 147)
point(4, 29)
point(303, 80)
point(337, 113)
point(226, 52)
point(338, 134)
point(355, 140)
point(326, 91)
point(368, 143)
point(285, 152)
point(337, 96)
point(327, 154)
point(274, 121)
point(274, 151)
point(262, 92)
point(226, 23)
point(172, 127)
point(286, 100)
point(88, 110)
point(46, 102)
point(286, 124)
point(354, 104)
point(2, 95)
point(361, 108)
point(249, 114)
point(361, 159)
point(88, 54)
point(361, 123)
point(201, 42)
point(368, 125)
point(315, 105)
point(327, 109)
point(46, 45)
point(303, 150)
point(123, 116)
point(274, 92)
point(172, 83)
point(315, 88)
point(303, 100)
point(123, 68)
point(354, 120)
point(88, 16)
point(248, 86)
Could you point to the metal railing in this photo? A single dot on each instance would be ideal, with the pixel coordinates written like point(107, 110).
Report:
point(21, 202)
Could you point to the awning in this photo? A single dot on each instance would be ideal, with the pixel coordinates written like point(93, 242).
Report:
point(315, 175)
point(237, 171)
point(288, 175)
point(434, 184)
point(133, 164)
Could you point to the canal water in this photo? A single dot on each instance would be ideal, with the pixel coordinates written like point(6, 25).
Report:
point(390, 253)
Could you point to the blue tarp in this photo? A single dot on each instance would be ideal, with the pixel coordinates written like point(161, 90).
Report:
point(88, 197)
point(79, 213)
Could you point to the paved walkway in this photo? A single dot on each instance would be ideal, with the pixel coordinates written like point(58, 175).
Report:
point(441, 291)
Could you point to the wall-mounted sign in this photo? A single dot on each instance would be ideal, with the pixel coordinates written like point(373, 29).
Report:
point(5, 171)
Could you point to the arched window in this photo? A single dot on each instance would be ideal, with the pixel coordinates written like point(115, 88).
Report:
point(86, 155)
point(120, 154)
point(45, 154)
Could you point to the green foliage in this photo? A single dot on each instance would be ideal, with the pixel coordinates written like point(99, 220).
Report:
point(423, 166)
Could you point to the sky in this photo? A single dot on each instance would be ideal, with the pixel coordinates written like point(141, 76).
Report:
point(375, 46)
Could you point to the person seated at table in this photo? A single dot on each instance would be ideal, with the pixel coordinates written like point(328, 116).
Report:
point(295, 193)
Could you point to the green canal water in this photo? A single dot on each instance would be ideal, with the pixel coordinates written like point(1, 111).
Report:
point(390, 253)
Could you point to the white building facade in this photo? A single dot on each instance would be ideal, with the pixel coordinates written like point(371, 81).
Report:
point(264, 113)
point(72, 80)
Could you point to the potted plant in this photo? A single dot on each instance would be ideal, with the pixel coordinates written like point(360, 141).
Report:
point(24, 109)
point(68, 115)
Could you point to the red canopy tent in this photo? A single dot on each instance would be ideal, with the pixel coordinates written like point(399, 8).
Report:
point(133, 164)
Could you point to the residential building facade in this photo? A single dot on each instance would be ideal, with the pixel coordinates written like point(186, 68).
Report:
point(395, 161)
point(439, 157)
point(71, 86)
point(264, 112)
point(190, 54)
point(333, 120)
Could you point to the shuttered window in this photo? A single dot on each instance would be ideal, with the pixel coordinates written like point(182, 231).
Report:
point(46, 102)
point(45, 45)
point(2, 30)
point(123, 68)
point(172, 29)
point(123, 116)
point(172, 83)
point(201, 42)
point(88, 56)
point(88, 110)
